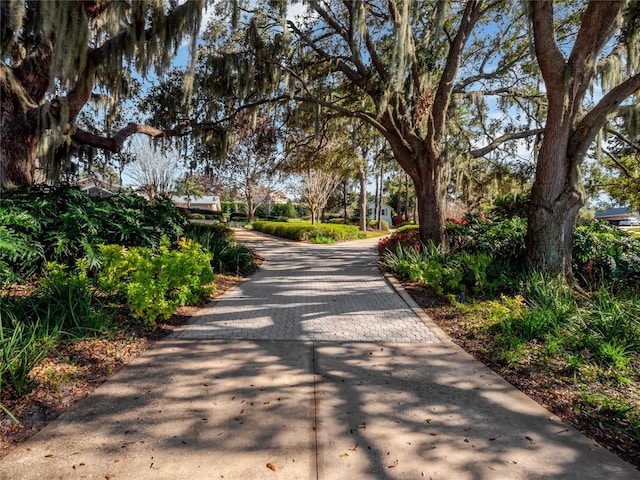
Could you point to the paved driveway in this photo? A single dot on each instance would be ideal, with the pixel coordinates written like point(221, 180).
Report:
point(312, 292)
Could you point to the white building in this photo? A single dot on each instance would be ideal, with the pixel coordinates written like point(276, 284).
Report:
point(385, 212)
point(207, 202)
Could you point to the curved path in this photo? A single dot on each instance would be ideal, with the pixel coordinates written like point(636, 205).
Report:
point(312, 292)
point(311, 369)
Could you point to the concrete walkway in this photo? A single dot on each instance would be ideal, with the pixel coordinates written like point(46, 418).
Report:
point(311, 369)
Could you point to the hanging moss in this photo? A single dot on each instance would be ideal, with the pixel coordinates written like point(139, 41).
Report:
point(118, 37)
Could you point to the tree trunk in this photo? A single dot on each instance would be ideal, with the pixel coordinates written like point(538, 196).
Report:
point(556, 198)
point(249, 205)
point(557, 194)
point(423, 166)
point(399, 201)
point(362, 203)
point(430, 217)
point(379, 200)
point(406, 196)
point(429, 199)
point(18, 140)
point(345, 197)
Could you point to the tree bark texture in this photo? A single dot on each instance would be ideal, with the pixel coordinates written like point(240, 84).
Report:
point(18, 140)
point(429, 200)
point(557, 193)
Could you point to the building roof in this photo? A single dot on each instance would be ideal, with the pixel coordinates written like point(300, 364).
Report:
point(97, 188)
point(615, 213)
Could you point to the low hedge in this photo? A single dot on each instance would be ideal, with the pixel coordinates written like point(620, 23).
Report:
point(301, 231)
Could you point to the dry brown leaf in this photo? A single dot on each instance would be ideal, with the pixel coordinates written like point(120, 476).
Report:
point(272, 466)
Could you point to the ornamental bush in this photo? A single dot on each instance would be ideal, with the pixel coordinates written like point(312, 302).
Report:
point(301, 231)
point(153, 285)
point(60, 224)
point(605, 254)
point(436, 267)
point(228, 256)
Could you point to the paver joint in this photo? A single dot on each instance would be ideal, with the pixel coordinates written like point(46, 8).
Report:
point(312, 292)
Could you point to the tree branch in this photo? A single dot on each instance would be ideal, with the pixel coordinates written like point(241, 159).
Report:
point(479, 152)
point(340, 64)
point(593, 121)
point(114, 143)
point(622, 168)
point(445, 86)
point(624, 139)
point(597, 27)
point(550, 58)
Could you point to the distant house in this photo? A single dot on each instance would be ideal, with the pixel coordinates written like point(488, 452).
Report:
point(209, 203)
point(278, 198)
point(385, 212)
point(97, 188)
point(614, 215)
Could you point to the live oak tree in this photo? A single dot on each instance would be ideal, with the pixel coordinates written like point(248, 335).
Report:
point(605, 47)
point(400, 64)
point(59, 54)
point(393, 65)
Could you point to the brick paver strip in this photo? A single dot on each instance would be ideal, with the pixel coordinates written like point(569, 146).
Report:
point(312, 292)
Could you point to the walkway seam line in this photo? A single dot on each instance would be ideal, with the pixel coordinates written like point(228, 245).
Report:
point(315, 405)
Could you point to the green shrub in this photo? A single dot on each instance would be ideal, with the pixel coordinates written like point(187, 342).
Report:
point(285, 210)
point(605, 254)
point(610, 328)
point(476, 233)
point(300, 231)
point(22, 346)
point(551, 307)
point(409, 227)
point(228, 256)
point(62, 306)
point(154, 285)
point(20, 252)
point(219, 231)
point(511, 205)
point(384, 225)
point(435, 267)
point(63, 224)
point(69, 300)
point(233, 207)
